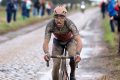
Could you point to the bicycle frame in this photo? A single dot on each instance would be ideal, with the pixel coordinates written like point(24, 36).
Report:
point(63, 74)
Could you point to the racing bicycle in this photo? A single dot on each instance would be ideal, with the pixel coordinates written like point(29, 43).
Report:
point(63, 73)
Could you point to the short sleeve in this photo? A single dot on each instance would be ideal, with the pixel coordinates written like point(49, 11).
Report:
point(73, 28)
point(48, 32)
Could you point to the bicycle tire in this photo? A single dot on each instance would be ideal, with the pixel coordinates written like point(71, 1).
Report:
point(66, 75)
point(63, 76)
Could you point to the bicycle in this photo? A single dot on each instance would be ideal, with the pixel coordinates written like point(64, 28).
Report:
point(63, 74)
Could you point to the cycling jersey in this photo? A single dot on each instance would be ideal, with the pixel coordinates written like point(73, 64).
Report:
point(67, 32)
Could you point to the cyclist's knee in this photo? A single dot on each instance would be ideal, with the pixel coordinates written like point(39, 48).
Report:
point(72, 61)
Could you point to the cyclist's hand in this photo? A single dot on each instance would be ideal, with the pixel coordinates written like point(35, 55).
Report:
point(47, 57)
point(77, 58)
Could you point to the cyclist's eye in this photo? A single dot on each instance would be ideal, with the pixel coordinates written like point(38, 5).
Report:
point(59, 16)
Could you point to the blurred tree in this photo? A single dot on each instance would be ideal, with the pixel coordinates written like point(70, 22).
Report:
point(3, 2)
point(56, 1)
point(68, 1)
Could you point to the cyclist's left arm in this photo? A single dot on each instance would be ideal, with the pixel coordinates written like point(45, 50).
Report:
point(76, 35)
point(78, 48)
point(79, 44)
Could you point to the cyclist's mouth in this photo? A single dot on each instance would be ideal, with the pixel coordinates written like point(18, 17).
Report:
point(59, 24)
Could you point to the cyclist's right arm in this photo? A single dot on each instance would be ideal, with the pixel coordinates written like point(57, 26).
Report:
point(46, 40)
point(45, 46)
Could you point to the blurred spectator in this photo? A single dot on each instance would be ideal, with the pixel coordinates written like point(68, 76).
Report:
point(42, 7)
point(11, 9)
point(48, 7)
point(117, 17)
point(68, 5)
point(117, 8)
point(111, 13)
point(16, 4)
point(23, 9)
point(15, 9)
point(71, 6)
point(36, 7)
point(28, 7)
point(83, 6)
point(103, 9)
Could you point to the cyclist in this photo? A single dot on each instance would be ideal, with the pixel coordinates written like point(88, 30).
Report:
point(66, 34)
point(82, 6)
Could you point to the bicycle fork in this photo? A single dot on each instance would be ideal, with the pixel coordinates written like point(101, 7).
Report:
point(63, 71)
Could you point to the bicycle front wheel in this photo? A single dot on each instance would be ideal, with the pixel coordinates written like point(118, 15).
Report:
point(63, 76)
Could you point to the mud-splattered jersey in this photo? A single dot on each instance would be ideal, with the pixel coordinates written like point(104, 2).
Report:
point(65, 33)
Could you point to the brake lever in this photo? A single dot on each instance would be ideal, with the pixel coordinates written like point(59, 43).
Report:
point(77, 65)
point(47, 63)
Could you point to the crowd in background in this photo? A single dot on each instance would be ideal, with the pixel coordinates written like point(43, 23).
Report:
point(112, 7)
point(32, 7)
point(37, 7)
point(11, 10)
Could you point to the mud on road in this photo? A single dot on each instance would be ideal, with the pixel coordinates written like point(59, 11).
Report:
point(102, 63)
point(95, 62)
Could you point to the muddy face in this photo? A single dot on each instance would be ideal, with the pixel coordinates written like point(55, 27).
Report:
point(59, 20)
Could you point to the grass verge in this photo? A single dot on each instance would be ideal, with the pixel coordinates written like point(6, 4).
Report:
point(114, 59)
point(109, 37)
point(5, 27)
